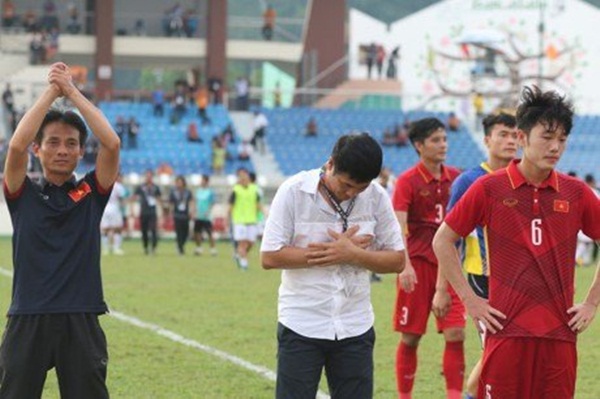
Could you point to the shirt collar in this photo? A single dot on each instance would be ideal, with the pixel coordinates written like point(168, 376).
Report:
point(428, 177)
point(517, 179)
point(310, 183)
point(71, 183)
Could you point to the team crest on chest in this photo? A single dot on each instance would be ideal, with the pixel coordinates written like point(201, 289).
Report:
point(424, 193)
point(561, 206)
point(510, 202)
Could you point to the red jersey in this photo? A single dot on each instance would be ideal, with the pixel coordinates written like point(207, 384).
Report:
point(531, 235)
point(424, 199)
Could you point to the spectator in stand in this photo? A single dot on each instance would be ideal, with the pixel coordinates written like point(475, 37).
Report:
point(202, 104)
point(52, 43)
point(389, 139)
point(90, 150)
point(402, 138)
point(149, 197)
point(121, 127)
point(204, 201)
point(8, 99)
point(227, 135)
point(311, 128)
point(30, 21)
point(139, 29)
point(242, 91)
point(219, 156)
point(49, 18)
point(179, 107)
point(479, 107)
point(73, 26)
point(158, 102)
point(174, 19)
point(453, 123)
point(380, 57)
point(37, 48)
point(192, 133)
point(260, 130)
point(277, 96)
point(269, 22)
point(370, 59)
point(392, 69)
point(132, 133)
point(9, 14)
point(244, 150)
point(181, 201)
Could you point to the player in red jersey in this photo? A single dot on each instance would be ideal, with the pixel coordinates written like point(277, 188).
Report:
point(531, 215)
point(420, 198)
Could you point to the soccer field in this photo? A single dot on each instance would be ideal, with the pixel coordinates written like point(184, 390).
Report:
point(209, 301)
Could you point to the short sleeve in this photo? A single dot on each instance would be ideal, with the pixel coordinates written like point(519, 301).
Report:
point(469, 211)
point(458, 189)
point(591, 214)
point(402, 196)
point(279, 228)
point(388, 235)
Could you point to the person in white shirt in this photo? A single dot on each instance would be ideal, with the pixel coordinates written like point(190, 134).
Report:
point(327, 230)
point(260, 130)
point(112, 221)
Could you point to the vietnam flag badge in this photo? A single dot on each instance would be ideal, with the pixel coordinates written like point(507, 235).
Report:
point(80, 191)
point(561, 206)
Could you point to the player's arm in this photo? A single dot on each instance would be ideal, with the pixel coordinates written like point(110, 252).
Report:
point(408, 277)
point(107, 161)
point(444, 246)
point(441, 299)
point(583, 313)
point(15, 167)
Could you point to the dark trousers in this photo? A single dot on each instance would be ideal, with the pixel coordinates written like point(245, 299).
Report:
point(182, 231)
point(348, 365)
point(148, 225)
point(72, 343)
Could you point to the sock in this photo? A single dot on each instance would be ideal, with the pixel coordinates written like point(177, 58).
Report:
point(406, 367)
point(454, 368)
point(117, 240)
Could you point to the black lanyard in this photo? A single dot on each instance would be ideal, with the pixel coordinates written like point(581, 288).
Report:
point(344, 214)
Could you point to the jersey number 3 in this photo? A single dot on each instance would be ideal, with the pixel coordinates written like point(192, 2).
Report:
point(439, 209)
point(536, 232)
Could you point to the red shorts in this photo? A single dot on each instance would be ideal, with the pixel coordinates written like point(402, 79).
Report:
point(528, 368)
point(412, 310)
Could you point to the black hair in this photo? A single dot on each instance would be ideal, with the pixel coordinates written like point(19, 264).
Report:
point(589, 179)
point(182, 179)
point(497, 119)
point(548, 108)
point(69, 118)
point(421, 129)
point(358, 155)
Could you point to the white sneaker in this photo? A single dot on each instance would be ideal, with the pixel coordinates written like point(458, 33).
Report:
point(118, 251)
point(213, 252)
point(198, 251)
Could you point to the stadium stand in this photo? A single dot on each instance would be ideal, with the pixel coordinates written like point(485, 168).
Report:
point(294, 152)
point(161, 141)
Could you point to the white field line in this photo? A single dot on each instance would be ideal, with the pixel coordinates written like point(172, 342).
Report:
point(173, 336)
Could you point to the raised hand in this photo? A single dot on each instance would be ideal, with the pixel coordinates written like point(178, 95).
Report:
point(60, 76)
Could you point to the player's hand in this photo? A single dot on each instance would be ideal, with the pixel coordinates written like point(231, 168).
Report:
point(441, 303)
point(583, 314)
point(483, 314)
point(60, 76)
point(340, 250)
point(408, 278)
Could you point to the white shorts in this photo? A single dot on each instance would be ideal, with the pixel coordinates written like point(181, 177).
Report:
point(112, 218)
point(244, 232)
